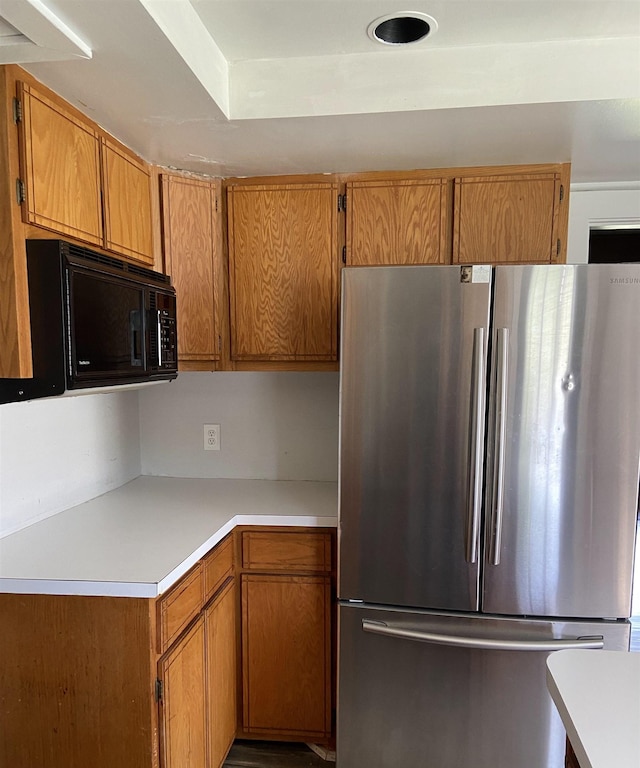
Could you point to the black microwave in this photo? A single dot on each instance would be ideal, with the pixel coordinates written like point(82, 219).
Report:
point(95, 321)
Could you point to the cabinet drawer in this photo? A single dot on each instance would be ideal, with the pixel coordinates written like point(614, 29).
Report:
point(286, 551)
point(218, 566)
point(179, 606)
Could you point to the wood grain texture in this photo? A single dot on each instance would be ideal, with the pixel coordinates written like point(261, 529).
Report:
point(179, 606)
point(15, 330)
point(76, 682)
point(188, 208)
point(283, 266)
point(286, 663)
point(506, 219)
point(290, 551)
point(220, 628)
point(397, 222)
point(183, 707)
point(62, 168)
point(218, 566)
point(126, 185)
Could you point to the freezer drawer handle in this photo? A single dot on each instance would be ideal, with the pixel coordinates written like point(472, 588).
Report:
point(459, 641)
point(476, 445)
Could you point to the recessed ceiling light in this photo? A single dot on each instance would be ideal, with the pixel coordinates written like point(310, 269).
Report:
point(402, 28)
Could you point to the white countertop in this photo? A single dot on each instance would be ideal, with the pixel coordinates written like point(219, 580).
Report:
point(597, 694)
point(139, 539)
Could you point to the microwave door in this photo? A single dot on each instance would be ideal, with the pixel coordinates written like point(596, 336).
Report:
point(106, 317)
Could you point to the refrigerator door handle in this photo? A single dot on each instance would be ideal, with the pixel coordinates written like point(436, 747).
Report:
point(481, 643)
point(476, 445)
point(499, 439)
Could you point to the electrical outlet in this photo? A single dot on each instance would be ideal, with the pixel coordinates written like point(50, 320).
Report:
point(211, 437)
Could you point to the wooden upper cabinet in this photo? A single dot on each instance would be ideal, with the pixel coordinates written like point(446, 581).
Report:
point(397, 222)
point(509, 219)
point(61, 157)
point(283, 271)
point(188, 211)
point(127, 203)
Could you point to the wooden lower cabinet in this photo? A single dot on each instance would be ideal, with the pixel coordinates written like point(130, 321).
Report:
point(286, 655)
point(122, 681)
point(198, 695)
point(287, 640)
point(144, 683)
point(183, 722)
point(221, 676)
point(77, 682)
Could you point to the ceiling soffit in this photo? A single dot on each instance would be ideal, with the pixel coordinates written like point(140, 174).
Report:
point(454, 70)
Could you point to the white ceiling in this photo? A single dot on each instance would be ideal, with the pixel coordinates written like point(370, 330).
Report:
point(246, 87)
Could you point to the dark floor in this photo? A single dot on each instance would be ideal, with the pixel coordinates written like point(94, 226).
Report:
point(273, 754)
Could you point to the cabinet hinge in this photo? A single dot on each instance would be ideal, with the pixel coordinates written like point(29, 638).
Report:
point(558, 247)
point(342, 203)
point(561, 192)
point(20, 191)
point(344, 254)
point(17, 110)
point(158, 689)
point(216, 204)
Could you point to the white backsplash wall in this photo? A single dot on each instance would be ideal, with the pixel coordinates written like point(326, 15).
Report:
point(55, 453)
point(274, 425)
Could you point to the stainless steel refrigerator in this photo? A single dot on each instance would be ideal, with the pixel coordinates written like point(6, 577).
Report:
point(489, 467)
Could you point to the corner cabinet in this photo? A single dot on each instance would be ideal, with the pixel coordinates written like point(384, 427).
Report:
point(192, 251)
point(287, 646)
point(283, 271)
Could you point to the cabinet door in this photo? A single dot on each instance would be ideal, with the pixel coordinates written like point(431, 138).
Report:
point(397, 222)
point(127, 203)
point(188, 227)
point(286, 655)
point(221, 626)
point(507, 219)
point(183, 706)
point(283, 271)
point(61, 157)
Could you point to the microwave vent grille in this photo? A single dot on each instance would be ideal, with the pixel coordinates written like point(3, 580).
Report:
point(99, 258)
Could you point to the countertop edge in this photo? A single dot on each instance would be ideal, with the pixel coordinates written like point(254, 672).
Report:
point(155, 589)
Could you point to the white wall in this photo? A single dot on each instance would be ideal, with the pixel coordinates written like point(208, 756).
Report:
point(599, 204)
point(55, 453)
point(274, 425)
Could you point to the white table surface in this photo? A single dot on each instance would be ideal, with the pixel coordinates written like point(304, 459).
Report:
point(139, 539)
point(597, 694)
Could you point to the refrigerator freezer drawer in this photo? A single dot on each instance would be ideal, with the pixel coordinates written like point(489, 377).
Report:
point(418, 701)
